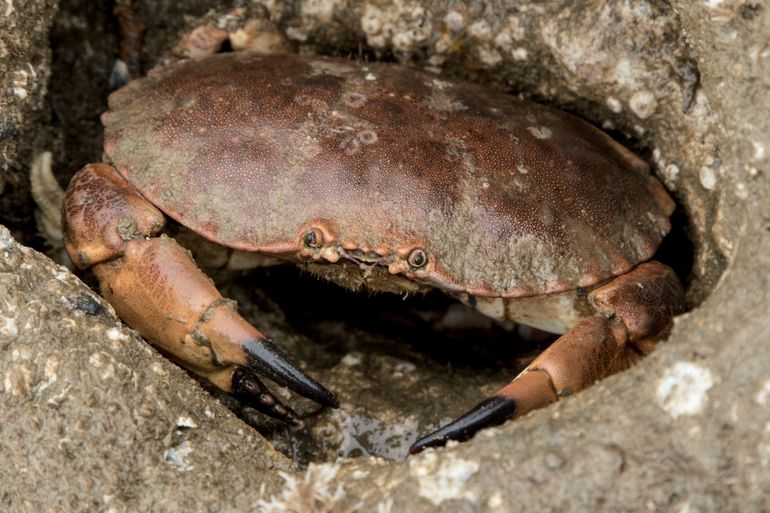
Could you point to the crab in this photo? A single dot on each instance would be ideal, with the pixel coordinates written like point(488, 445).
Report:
point(371, 175)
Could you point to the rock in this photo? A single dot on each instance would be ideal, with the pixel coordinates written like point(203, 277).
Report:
point(24, 71)
point(92, 416)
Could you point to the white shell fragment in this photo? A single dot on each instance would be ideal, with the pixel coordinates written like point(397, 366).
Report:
point(682, 389)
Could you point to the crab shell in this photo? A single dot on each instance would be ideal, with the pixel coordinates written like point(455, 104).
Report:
point(507, 198)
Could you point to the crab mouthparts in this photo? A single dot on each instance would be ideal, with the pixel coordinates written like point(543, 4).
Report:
point(364, 259)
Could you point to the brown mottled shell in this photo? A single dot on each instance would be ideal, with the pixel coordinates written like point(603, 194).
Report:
point(507, 197)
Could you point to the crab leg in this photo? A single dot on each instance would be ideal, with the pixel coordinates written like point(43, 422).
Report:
point(155, 286)
point(633, 313)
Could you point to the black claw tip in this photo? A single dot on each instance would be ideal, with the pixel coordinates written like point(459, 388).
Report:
point(296, 422)
point(266, 359)
point(250, 390)
point(490, 412)
point(286, 414)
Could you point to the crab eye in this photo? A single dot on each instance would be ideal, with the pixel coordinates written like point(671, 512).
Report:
point(417, 258)
point(313, 239)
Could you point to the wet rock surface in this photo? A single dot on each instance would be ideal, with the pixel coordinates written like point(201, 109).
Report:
point(686, 430)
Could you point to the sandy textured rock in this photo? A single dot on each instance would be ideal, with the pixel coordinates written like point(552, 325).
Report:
point(93, 418)
point(24, 70)
point(687, 430)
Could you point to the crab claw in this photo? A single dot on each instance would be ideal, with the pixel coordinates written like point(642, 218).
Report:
point(248, 389)
point(214, 341)
point(490, 412)
point(156, 287)
point(633, 312)
point(530, 390)
point(266, 359)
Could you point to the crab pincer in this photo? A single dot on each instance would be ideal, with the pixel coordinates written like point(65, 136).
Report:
point(631, 313)
point(247, 388)
point(157, 288)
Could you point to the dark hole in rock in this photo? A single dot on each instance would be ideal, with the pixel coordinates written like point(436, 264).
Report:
point(399, 366)
point(677, 249)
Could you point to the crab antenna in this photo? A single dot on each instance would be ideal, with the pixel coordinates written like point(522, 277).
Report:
point(266, 359)
point(490, 412)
